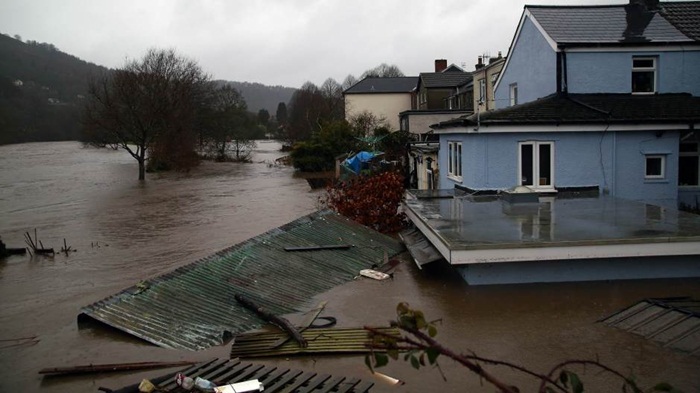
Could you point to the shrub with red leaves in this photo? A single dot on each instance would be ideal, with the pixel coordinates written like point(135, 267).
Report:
point(371, 200)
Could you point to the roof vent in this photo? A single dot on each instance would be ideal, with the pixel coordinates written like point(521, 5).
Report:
point(520, 194)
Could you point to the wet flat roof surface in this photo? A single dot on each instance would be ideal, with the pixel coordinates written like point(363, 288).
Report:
point(488, 222)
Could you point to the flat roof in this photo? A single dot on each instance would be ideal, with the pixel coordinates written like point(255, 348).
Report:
point(486, 229)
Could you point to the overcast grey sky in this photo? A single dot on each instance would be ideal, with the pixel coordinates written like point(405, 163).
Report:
point(276, 42)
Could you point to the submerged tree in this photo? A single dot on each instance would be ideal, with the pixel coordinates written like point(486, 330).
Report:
point(148, 108)
point(226, 125)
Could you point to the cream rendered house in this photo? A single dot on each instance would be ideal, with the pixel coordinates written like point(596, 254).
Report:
point(385, 98)
point(485, 78)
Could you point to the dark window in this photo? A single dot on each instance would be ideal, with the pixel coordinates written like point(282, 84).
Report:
point(545, 164)
point(526, 161)
point(654, 167)
point(644, 75)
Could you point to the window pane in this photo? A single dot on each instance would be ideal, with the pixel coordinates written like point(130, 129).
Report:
point(450, 158)
point(545, 175)
point(458, 169)
point(643, 81)
point(646, 63)
point(526, 163)
point(688, 171)
point(653, 167)
point(688, 147)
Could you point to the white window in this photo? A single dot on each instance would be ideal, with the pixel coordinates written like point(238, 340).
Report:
point(655, 167)
point(454, 160)
point(482, 91)
point(536, 164)
point(689, 164)
point(643, 75)
point(513, 94)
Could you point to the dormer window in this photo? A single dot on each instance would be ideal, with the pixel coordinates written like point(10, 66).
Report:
point(643, 75)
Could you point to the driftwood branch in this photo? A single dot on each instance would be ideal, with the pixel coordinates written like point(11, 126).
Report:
point(280, 322)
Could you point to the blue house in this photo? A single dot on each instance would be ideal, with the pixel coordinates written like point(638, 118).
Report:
point(579, 171)
point(590, 97)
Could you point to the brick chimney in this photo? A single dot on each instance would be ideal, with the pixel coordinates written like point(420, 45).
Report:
point(480, 64)
point(440, 65)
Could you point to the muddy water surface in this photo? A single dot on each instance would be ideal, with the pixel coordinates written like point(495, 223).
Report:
point(125, 231)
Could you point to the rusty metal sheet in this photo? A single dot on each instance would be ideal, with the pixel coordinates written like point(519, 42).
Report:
point(193, 307)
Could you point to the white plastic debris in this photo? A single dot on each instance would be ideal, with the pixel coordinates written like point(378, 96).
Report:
point(374, 274)
point(241, 387)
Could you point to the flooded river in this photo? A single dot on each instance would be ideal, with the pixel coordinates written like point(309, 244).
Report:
point(125, 231)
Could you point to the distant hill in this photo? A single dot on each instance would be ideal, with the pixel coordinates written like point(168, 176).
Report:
point(42, 91)
point(259, 96)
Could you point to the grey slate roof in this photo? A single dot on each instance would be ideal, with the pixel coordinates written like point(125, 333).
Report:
point(591, 109)
point(369, 85)
point(617, 24)
point(685, 16)
point(444, 79)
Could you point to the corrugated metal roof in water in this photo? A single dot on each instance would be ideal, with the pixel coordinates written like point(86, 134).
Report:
point(194, 308)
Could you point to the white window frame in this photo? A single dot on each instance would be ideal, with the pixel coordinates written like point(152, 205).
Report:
point(651, 69)
point(454, 160)
point(513, 94)
point(482, 91)
point(660, 176)
point(536, 165)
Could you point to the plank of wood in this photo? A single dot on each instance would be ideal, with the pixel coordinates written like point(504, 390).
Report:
point(304, 324)
point(100, 368)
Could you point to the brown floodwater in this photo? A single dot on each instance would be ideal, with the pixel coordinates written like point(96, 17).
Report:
point(125, 231)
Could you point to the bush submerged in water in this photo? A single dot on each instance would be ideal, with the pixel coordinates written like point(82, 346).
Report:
point(371, 200)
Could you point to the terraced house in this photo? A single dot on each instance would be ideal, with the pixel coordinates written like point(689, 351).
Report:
point(589, 97)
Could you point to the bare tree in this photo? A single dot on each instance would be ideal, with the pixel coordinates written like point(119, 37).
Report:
point(366, 123)
point(383, 71)
point(332, 93)
point(349, 81)
point(148, 108)
point(227, 125)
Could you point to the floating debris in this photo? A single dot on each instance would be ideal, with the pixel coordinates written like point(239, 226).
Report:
point(101, 368)
point(672, 322)
point(325, 341)
point(193, 307)
point(373, 274)
point(274, 379)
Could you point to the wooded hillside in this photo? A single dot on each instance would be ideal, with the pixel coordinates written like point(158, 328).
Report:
point(42, 92)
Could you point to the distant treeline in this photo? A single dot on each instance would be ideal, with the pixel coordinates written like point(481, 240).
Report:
point(42, 92)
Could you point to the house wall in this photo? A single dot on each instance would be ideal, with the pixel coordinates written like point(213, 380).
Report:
point(387, 105)
point(581, 270)
point(611, 72)
point(532, 65)
point(613, 161)
point(435, 98)
point(485, 73)
point(419, 123)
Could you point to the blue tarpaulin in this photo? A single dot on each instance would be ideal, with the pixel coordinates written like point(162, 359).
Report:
point(355, 162)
